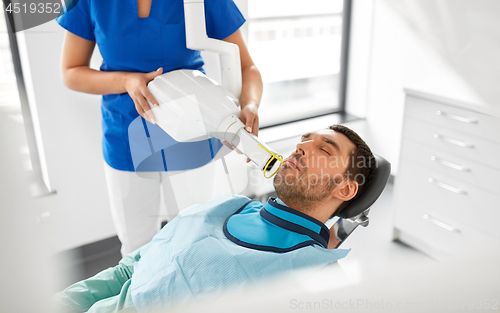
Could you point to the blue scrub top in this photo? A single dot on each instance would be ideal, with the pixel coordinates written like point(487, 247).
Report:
point(133, 44)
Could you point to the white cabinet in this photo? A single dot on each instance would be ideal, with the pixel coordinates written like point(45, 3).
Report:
point(447, 194)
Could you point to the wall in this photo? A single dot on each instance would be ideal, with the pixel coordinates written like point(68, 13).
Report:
point(29, 274)
point(440, 47)
point(69, 138)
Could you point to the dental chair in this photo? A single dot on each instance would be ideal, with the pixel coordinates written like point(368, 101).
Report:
point(356, 213)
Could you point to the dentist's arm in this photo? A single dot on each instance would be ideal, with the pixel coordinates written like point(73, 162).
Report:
point(251, 91)
point(77, 75)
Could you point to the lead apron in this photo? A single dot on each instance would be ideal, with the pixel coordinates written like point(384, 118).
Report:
point(281, 228)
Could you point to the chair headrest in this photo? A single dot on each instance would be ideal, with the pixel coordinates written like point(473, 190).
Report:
point(372, 192)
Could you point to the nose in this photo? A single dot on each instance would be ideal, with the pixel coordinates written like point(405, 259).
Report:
point(302, 147)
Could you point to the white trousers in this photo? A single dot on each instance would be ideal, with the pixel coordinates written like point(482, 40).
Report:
point(140, 201)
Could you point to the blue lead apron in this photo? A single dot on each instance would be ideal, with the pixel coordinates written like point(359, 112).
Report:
point(280, 228)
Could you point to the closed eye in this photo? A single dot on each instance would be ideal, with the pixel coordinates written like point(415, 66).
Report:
point(326, 151)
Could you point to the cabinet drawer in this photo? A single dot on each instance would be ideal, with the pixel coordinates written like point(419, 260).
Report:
point(449, 197)
point(452, 166)
point(475, 149)
point(461, 120)
point(442, 233)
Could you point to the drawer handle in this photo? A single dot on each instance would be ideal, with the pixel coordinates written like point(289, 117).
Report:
point(446, 186)
point(457, 118)
point(454, 141)
point(450, 164)
point(437, 222)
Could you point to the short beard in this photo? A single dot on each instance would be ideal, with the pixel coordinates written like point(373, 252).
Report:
point(302, 193)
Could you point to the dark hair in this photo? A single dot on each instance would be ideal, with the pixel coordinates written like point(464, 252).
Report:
point(361, 166)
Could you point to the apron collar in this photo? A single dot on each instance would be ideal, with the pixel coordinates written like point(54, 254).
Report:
point(296, 221)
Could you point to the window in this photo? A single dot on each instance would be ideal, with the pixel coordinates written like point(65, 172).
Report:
point(298, 47)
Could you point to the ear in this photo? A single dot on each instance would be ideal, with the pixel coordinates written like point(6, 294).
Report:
point(347, 190)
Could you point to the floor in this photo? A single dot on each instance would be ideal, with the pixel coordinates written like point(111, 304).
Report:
point(372, 249)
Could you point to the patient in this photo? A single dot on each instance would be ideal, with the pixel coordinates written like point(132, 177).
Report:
point(232, 241)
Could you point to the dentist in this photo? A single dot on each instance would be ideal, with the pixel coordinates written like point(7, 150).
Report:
point(139, 40)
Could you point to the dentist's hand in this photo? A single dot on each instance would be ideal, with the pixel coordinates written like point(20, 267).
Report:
point(136, 86)
point(249, 116)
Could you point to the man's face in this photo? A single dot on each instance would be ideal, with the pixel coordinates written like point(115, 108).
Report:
point(315, 168)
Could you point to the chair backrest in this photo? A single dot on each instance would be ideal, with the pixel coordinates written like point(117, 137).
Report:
point(372, 192)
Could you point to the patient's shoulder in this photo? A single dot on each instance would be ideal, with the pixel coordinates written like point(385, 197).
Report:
point(228, 203)
point(229, 197)
point(222, 204)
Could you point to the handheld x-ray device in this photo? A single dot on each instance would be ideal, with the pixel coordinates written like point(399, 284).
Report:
point(194, 107)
